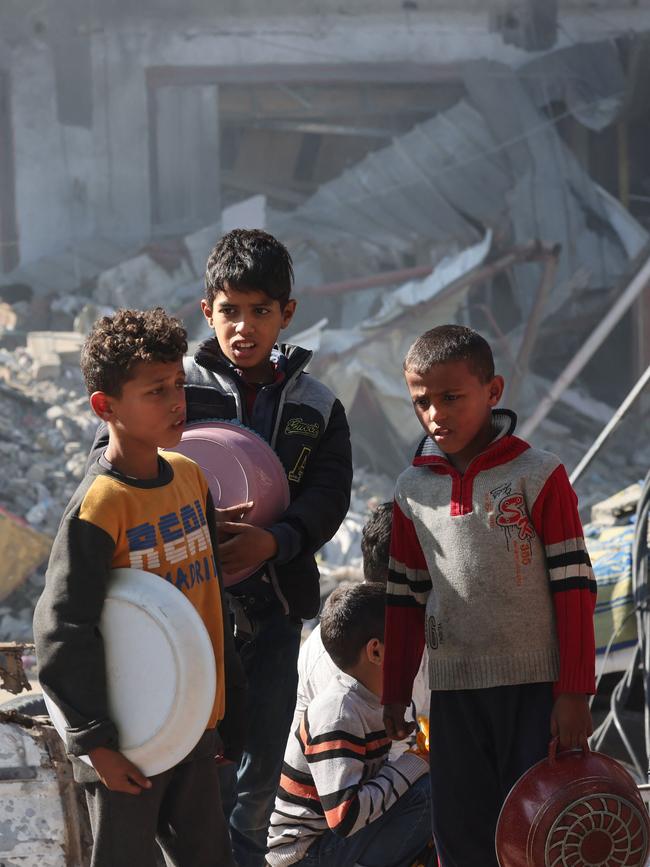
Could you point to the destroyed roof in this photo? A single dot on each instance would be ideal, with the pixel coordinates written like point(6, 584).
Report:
point(495, 160)
point(414, 188)
point(588, 78)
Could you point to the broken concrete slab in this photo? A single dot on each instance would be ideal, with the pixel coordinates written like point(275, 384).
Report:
point(248, 214)
point(140, 282)
point(66, 344)
point(47, 366)
point(42, 811)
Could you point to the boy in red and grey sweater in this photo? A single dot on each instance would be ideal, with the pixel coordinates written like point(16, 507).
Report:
point(489, 564)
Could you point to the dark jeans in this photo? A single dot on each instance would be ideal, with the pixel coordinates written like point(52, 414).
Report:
point(177, 813)
point(481, 741)
point(391, 841)
point(270, 659)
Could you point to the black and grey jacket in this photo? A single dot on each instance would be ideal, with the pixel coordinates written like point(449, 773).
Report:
point(305, 424)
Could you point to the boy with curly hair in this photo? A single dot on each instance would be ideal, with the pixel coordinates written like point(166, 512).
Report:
point(131, 505)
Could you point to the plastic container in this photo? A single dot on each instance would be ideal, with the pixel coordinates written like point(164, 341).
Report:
point(239, 466)
point(160, 670)
point(574, 809)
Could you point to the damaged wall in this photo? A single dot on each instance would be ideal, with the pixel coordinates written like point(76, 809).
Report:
point(335, 7)
point(464, 144)
point(94, 174)
point(54, 164)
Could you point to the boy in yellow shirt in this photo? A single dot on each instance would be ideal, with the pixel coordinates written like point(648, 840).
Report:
point(137, 508)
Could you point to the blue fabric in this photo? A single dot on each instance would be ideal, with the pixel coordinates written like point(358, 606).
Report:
point(395, 839)
point(610, 551)
point(270, 660)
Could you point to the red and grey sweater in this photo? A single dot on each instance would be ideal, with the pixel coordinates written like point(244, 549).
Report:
point(491, 567)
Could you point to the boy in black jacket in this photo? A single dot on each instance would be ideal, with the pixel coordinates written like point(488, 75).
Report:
point(241, 373)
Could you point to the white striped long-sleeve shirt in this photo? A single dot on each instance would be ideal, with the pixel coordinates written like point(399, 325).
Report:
point(336, 774)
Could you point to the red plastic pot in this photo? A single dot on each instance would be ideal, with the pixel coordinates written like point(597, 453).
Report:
point(574, 809)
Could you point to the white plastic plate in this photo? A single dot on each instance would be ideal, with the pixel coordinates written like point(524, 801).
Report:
point(160, 666)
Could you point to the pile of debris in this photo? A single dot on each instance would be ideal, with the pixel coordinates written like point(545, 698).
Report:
point(46, 429)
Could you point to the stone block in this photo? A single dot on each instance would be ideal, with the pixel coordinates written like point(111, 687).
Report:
point(47, 365)
point(66, 344)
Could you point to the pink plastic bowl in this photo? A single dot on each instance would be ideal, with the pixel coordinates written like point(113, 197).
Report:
point(239, 467)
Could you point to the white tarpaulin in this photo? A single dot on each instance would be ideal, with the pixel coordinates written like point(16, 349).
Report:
point(372, 353)
point(415, 292)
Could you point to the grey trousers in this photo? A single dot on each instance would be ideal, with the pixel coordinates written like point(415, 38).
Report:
point(181, 815)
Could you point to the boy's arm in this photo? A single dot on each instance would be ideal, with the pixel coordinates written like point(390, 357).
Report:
point(69, 646)
point(335, 754)
point(316, 513)
point(409, 584)
point(556, 519)
point(232, 727)
point(573, 586)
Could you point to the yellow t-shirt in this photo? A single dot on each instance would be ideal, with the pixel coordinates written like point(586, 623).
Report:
point(162, 528)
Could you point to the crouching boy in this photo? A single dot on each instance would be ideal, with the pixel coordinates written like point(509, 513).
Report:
point(316, 670)
point(340, 800)
point(132, 499)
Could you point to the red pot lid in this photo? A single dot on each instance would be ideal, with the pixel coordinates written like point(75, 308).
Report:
point(574, 810)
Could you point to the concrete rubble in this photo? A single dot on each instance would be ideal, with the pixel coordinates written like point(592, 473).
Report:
point(43, 816)
point(46, 428)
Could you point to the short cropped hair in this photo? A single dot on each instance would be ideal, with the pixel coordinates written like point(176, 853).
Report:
point(117, 343)
point(375, 544)
point(352, 616)
point(248, 259)
point(451, 343)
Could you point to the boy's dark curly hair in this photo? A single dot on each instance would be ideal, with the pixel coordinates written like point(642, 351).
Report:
point(117, 343)
point(451, 343)
point(249, 259)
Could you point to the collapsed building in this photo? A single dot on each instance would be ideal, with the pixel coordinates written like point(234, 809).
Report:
point(476, 161)
point(473, 162)
point(425, 162)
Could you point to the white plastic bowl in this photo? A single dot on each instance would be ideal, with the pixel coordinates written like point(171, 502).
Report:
point(160, 668)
